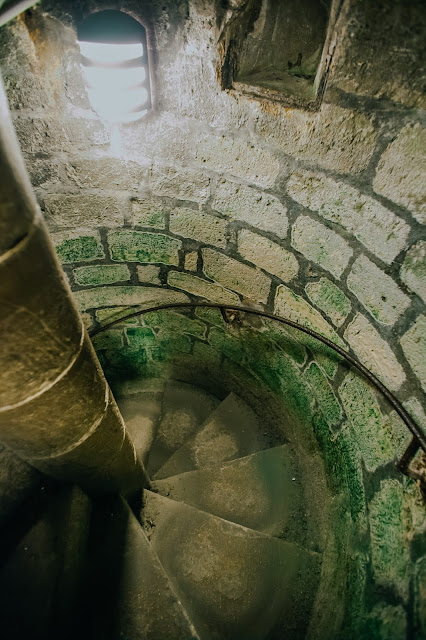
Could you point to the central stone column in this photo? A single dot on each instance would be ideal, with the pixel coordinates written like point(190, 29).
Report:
point(56, 409)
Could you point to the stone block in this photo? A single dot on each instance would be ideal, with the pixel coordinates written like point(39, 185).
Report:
point(376, 227)
point(109, 339)
point(321, 245)
point(260, 210)
point(148, 212)
point(182, 184)
point(238, 158)
point(334, 138)
point(124, 296)
point(386, 622)
point(143, 246)
point(377, 291)
point(374, 352)
point(88, 210)
point(389, 538)
point(413, 343)
point(202, 288)
point(78, 246)
point(101, 274)
point(104, 316)
point(171, 349)
point(148, 273)
point(330, 299)
point(292, 306)
point(170, 322)
point(42, 172)
point(140, 337)
point(401, 170)
point(204, 228)
point(323, 392)
point(378, 439)
point(267, 255)
point(413, 270)
point(102, 172)
point(249, 282)
point(226, 344)
point(191, 261)
point(416, 411)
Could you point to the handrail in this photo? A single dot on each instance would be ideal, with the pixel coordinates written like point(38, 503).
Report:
point(419, 437)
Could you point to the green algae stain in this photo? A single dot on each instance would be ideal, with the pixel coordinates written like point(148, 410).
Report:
point(79, 249)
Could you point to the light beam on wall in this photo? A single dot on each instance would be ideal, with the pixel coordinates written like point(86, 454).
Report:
point(115, 63)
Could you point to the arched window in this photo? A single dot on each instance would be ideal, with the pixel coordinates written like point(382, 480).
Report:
point(115, 61)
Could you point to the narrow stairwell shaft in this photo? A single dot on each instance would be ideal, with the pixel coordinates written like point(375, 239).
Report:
point(56, 408)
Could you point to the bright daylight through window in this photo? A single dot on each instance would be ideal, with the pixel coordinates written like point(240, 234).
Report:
point(115, 62)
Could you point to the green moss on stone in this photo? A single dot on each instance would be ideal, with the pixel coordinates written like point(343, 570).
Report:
point(171, 322)
point(79, 249)
point(324, 394)
point(389, 538)
point(227, 344)
point(110, 339)
point(101, 274)
point(140, 337)
point(140, 246)
point(330, 299)
point(168, 350)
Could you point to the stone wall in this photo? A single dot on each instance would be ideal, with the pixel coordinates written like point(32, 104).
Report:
point(317, 216)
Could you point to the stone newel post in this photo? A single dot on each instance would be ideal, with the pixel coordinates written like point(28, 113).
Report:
point(56, 409)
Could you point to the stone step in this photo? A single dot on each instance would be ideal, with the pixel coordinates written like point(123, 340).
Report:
point(234, 582)
point(131, 596)
point(43, 553)
point(261, 491)
point(141, 413)
point(184, 409)
point(231, 431)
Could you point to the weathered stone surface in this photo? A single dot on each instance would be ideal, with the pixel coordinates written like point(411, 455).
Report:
point(102, 173)
point(201, 226)
point(238, 158)
point(125, 296)
point(88, 210)
point(110, 339)
point(374, 352)
point(140, 337)
point(101, 274)
point(251, 283)
point(323, 392)
point(330, 299)
point(386, 623)
point(191, 261)
point(334, 138)
point(375, 38)
point(292, 306)
point(202, 288)
point(413, 270)
point(379, 229)
point(267, 255)
point(82, 245)
point(377, 291)
point(413, 343)
point(149, 273)
point(321, 245)
point(389, 544)
point(180, 183)
point(42, 172)
point(148, 212)
point(140, 246)
point(420, 596)
point(416, 411)
point(400, 172)
point(258, 209)
point(377, 440)
point(104, 316)
point(170, 322)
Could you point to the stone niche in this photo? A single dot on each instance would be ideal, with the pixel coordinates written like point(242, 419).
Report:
point(279, 50)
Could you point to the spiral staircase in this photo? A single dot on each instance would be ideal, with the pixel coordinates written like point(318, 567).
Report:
point(220, 545)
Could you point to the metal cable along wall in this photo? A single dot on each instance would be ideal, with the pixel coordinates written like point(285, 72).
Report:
point(419, 437)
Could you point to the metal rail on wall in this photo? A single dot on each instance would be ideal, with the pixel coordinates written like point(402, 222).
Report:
point(419, 437)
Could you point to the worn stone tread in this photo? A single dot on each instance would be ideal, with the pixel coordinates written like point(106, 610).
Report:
point(138, 602)
point(233, 581)
point(184, 409)
point(261, 491)
point(141, 413)
point(231, 431)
